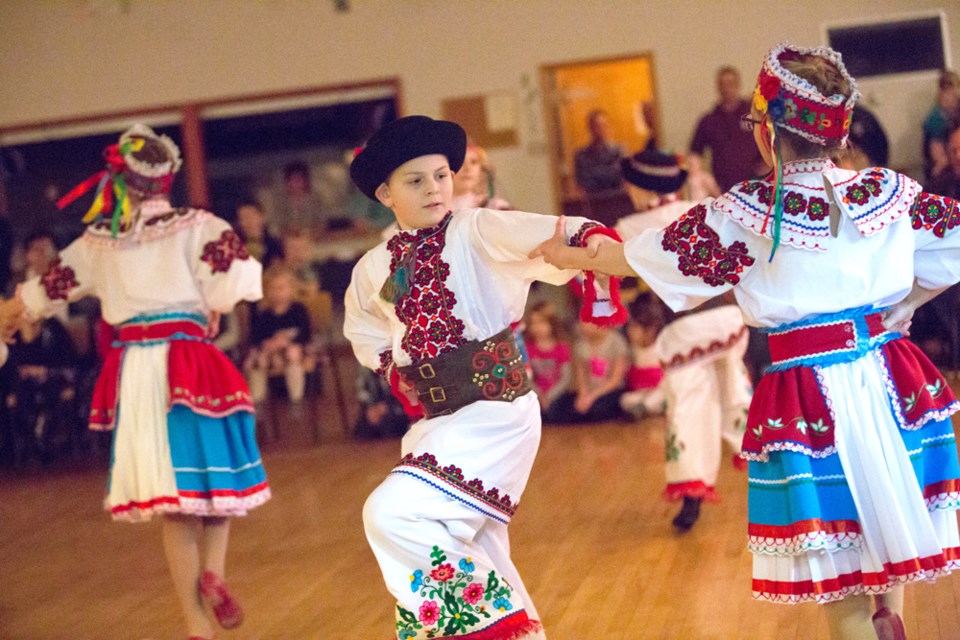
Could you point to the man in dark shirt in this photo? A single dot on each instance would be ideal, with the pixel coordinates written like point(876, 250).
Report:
point(735, 156)
point(597, 165)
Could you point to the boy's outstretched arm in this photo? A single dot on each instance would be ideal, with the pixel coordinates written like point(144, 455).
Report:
point(602, 254)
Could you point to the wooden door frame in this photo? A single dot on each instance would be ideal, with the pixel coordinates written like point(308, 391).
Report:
point(191, 123)
point(547, 73)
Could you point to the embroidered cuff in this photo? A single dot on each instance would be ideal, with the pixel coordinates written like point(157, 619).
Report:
point(602, 308)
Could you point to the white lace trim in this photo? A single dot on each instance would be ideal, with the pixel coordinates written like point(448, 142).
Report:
point(804, 542)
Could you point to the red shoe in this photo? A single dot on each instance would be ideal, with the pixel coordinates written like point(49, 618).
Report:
point(888, 625)
point(214, 592)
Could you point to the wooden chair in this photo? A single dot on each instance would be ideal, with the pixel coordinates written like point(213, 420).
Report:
point(323, 360)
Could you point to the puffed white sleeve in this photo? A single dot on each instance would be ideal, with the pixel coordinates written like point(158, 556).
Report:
point(936, 258)
point(365, 324)
point(69, 278)
point(699, 256)
point(508, 237)
point(226, 273)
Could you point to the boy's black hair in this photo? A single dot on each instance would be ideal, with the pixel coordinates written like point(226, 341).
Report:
point(648, 310)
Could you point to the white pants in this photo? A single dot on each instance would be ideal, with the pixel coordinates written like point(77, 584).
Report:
point(707, 398)
point(412, 527)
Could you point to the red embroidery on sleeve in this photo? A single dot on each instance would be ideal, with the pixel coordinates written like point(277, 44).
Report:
point(58, 281)
point(935, 213)
point(221, 253)
point(700, 252)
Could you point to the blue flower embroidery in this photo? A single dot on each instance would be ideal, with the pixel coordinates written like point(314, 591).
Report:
point(502, 604)
point(416, 580)
point(406, 633)
point(466, 565)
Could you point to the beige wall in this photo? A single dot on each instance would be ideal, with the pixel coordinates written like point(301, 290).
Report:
point(60, 59)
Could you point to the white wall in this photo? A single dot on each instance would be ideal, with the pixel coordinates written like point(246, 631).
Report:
point(60, 59)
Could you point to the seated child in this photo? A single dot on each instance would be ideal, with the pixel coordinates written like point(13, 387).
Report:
point(252, 229)
point(600, 362)
point(381, 414)
point(297, 248)
point(43, 388)
point(549, 355)
point(644, 395)
point(279, 331)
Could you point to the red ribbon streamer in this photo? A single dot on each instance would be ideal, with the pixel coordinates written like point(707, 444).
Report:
point(80, 189)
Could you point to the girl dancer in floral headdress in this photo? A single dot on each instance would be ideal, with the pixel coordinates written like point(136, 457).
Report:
point(181, 414)
point(854, 480)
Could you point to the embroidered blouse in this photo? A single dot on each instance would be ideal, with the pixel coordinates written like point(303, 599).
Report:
point(470, 279)
point(889, 233)
point(170, 260)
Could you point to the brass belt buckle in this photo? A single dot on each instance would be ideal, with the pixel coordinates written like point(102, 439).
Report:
point(437, 394)
point(426, 371)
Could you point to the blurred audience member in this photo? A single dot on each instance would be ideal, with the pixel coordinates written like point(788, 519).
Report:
point(298, 258)
point(43, 390)
point(7, 243)
point(597, 165)
point(298, 207)
point(943, 117)
point(548, 354)
point(644, 395)
point(252, 228)
point(600, 361)
point(381, 414)
point(948, 183)
point(40, 250)
point(474, 185)
point(734, 154)
point(279, 333)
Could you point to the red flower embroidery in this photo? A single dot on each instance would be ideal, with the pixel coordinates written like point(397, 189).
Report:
point(700, 252)
point(857, 194)
point(935, 213)
point(817, 209)
point(442, 573)
point(58, 281)
point(426, 309)
point(429, 612)
point(473, 593)
point(794, 203)
point(221, 253)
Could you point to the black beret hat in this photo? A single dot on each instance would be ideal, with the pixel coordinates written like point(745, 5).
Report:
point(654, 171)
point(403, 140)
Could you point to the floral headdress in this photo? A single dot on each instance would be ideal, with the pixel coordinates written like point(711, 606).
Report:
point(792, 103)
point(124, 173)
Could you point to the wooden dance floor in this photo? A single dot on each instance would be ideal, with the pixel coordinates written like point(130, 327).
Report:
point(592, 538)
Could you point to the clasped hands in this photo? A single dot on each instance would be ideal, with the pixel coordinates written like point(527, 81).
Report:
point(555, 251)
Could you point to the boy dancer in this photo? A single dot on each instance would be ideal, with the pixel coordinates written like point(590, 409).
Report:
point(430, 309)
point(701, 351)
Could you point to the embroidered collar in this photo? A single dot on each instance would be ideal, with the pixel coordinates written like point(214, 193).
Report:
point(872, 199)
point(415, 235)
